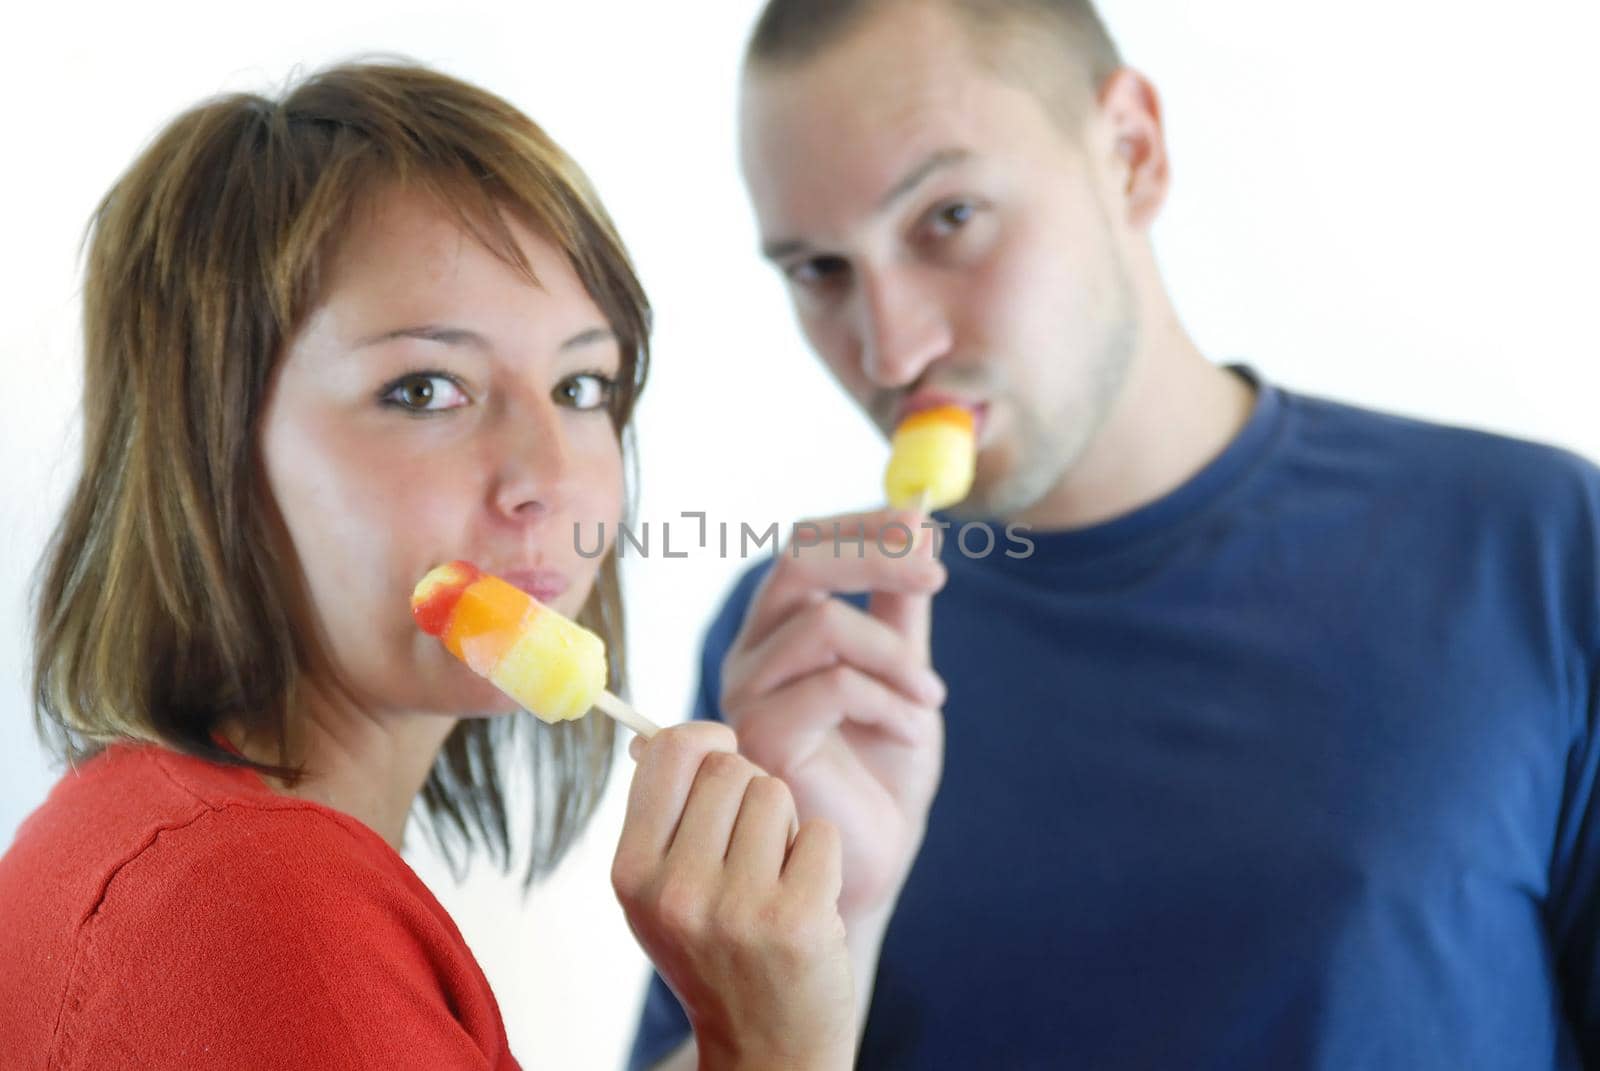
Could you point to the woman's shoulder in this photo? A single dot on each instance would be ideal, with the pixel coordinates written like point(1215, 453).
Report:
point(260, 881)
point(142, 837)
point(196, 897)
point(147, 813)
point(199, 829)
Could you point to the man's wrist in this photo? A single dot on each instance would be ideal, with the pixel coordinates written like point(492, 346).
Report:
point(870, 919)
point(835, 1058)
point(719, 1050)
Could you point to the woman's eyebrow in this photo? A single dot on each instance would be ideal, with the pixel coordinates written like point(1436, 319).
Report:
point(450, 336)
point(588, 338)
point(461, 336)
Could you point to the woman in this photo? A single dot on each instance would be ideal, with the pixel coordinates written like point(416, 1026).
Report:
point(334, 340)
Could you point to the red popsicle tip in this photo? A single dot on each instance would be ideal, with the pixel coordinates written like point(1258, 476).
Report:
point(434, 598)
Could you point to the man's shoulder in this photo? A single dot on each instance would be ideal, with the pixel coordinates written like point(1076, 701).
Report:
point(1431, 459)
point(730, 614)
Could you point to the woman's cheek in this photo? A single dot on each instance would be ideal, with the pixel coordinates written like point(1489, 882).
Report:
point(601, 486)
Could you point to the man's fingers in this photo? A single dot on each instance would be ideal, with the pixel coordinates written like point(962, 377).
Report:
point(869, 553)
point(826, 634)
point(910, 616)
point(785, 727)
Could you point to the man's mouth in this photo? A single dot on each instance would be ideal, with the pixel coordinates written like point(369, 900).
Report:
point(931, 398)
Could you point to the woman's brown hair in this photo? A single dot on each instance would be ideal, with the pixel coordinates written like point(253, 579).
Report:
point(166, 604)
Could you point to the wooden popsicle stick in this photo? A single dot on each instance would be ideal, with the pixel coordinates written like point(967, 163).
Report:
point(620, 710)
point(920, 505)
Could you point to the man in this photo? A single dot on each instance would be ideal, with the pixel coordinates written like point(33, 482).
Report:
point(1277, 751)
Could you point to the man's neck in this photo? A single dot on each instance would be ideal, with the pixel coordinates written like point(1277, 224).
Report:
point(1175, 414)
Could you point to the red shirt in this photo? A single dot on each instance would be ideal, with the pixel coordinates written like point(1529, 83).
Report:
point(159, 911)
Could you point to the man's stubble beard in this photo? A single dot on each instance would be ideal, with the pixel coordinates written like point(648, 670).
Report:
point(1051, 442)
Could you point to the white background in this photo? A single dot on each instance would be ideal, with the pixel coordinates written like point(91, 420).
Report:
point(1390, 203)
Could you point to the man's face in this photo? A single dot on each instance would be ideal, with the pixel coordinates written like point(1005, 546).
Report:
point(945, 239)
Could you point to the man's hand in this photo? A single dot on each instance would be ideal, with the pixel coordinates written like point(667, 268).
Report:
point(842, 704)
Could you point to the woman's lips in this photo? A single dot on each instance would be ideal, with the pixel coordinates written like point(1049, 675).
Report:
point(546, 585)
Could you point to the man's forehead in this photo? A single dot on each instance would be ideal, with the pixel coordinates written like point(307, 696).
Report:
point(910, 57)
point(864, 132)
point(821, 155)
point(820, 208)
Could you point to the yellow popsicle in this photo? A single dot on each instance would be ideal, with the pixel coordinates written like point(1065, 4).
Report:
point(932, 458)
point(554, 668)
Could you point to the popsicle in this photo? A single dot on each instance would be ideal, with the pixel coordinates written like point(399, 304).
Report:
point(931, 460)
point(554, 668)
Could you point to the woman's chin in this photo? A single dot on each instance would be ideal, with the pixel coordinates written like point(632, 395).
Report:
point(466, 696)
point(504, 709)
point(490, 703)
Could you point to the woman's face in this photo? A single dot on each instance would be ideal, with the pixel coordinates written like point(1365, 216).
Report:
point(434, 406)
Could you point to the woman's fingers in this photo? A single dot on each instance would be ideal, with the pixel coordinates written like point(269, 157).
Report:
point(702, 837)
point(748, 934)
point(761, 838)
point(662, 781)
point(814, 868)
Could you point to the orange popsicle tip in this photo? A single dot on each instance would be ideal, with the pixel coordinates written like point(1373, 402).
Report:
point(958, 416)
point(434, 598)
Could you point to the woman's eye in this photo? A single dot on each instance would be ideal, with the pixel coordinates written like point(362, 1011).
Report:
point(588, 390)
point(424, 392)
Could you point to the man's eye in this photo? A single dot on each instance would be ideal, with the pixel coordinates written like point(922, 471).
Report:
point(424, 392)
point(817, 271)
point(587, 390)
point(952, 217)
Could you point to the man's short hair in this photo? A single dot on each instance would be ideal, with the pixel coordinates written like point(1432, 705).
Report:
point(1059, 49)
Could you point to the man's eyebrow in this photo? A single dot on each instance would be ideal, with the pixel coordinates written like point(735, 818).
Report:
point(461, 336)
point(782, 248)
point(934, 162)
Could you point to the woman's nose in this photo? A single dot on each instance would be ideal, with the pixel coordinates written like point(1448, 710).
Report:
point(532, 460)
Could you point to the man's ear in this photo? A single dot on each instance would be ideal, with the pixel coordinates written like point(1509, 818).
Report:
point(1130, 113)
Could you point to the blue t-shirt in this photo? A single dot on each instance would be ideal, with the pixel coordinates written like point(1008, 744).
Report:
point(1291, 768)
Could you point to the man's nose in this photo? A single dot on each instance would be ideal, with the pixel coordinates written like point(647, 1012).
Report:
point(902, 328)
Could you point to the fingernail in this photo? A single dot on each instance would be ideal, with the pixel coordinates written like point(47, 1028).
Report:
point(931, 685)
point(636, 748)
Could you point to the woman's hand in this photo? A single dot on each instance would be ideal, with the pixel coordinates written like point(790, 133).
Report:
point(736, 905)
